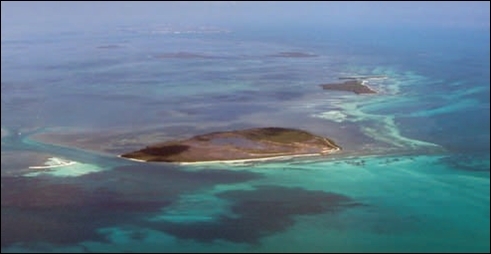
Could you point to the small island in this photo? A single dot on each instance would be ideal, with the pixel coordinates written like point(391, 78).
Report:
point(293, 54)
point(355, 86)
point(109, 46)
point(183, 55)
point(240, 145)
point(365, 77)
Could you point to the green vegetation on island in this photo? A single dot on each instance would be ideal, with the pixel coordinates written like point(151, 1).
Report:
point(355, 86)
point(237, 145)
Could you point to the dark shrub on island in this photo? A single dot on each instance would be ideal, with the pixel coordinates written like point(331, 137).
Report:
point(249, 144)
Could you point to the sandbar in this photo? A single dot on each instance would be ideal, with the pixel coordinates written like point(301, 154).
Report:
point(54, 162)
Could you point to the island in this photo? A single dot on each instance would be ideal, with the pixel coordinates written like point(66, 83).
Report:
point(293, 54)
point(355, 86)
point(365, 77)
point(239, 145)
point(183, 55)
point(109, 46)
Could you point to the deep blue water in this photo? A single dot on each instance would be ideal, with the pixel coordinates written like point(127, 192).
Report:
point(413, 174)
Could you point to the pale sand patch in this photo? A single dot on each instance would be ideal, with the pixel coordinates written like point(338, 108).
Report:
point(333, 115)
point(58, 167)
point(54, 162)
point(239, 161)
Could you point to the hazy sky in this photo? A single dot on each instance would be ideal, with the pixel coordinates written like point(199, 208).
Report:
point(28, 17)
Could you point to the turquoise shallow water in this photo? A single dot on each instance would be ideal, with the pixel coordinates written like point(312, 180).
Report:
point(413, 174)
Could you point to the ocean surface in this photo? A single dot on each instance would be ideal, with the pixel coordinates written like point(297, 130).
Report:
point(413, 174)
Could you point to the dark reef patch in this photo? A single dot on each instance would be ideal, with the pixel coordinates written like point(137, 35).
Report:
point(67, 212)
point(261, 212)
point(467, 162)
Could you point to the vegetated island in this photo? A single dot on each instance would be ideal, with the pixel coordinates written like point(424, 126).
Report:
point(355, 86)
point(237, 146)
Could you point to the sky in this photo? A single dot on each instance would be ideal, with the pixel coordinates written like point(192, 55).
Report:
point(24, 18)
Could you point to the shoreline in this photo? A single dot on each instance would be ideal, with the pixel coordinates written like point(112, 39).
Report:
point(332, 155)
point(365, 84)
point(234, 161)
point(264, 159)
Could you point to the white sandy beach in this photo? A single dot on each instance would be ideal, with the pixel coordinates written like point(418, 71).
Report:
point(237, 161)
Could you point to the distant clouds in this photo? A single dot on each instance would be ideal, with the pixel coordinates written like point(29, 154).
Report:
point(31, 17)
